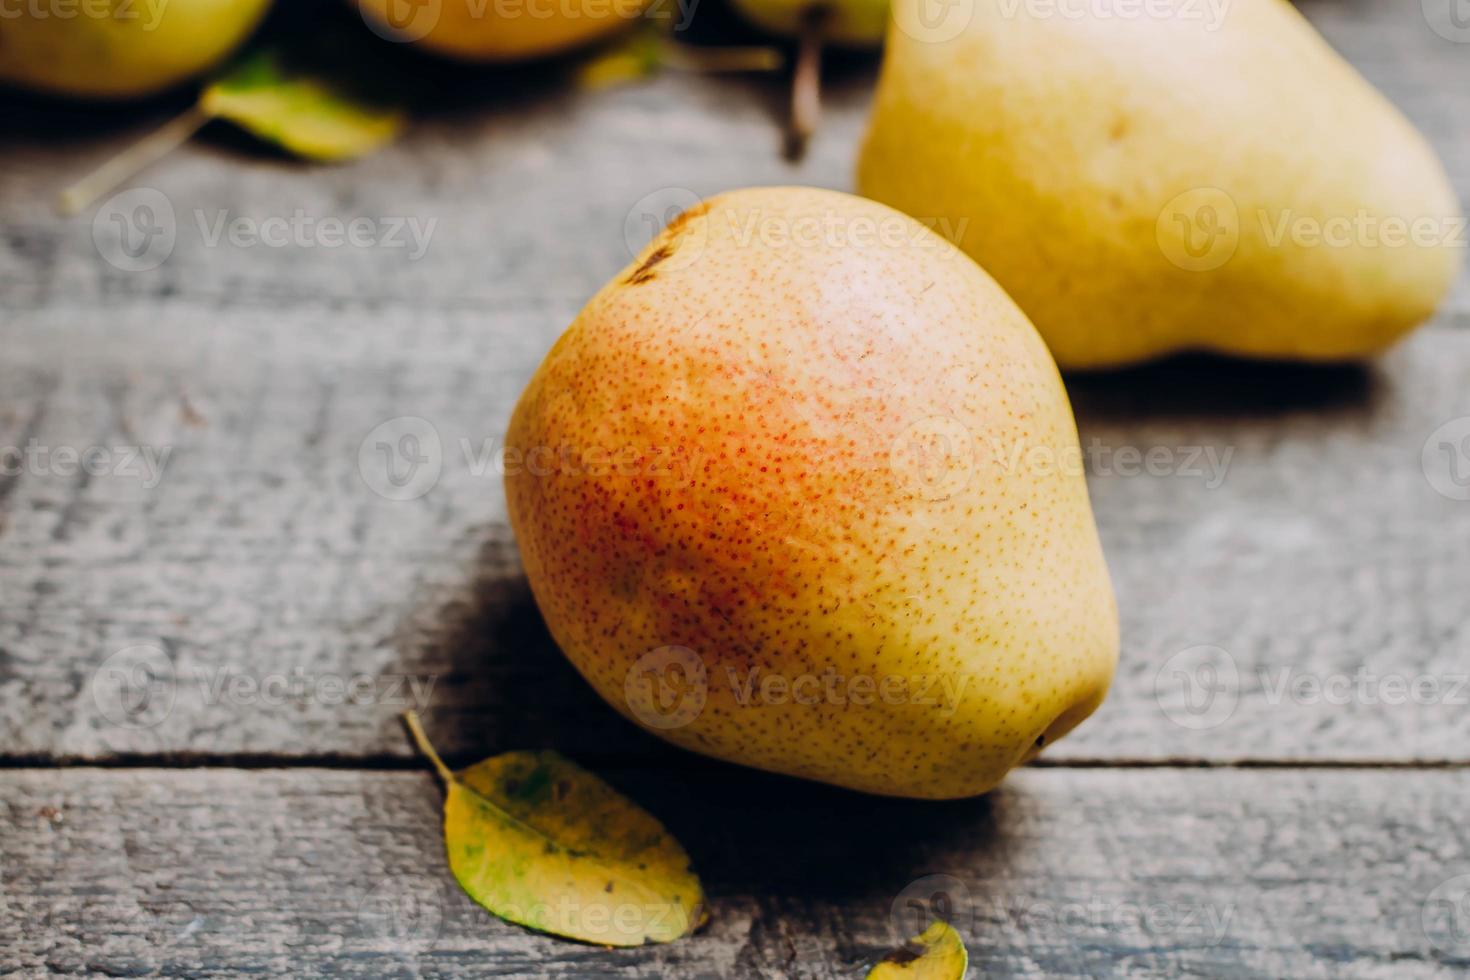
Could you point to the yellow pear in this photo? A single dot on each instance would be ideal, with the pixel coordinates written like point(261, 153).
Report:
point(1198, 174)
point(119, 49)
point(499, 30)
point(800, 488)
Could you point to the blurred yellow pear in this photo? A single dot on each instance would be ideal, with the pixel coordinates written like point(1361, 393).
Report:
point(118, 49)
point(1205, 175)
point(499, 30)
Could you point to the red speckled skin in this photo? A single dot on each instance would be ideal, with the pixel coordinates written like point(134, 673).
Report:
point(803, 437)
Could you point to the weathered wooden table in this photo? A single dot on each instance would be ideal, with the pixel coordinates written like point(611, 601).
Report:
point(212, 609)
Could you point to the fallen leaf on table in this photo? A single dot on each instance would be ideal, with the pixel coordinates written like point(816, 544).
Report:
point(315, 117)
point(937, 953)
point(542, 842)
point(325, 94)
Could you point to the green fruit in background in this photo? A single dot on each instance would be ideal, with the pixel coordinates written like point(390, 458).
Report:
point(498, 30)
point(846, 23)
point(1207, 177)
point(800, 488)
point(119, 49)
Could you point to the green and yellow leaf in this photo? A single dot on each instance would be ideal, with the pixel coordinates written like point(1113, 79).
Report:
point(937, 953)
point(539, 841)
point(309, 115)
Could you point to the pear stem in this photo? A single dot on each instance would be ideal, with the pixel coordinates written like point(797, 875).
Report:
point(713, 60)
point(411, 719)
point(147, 150)
point(806, 83)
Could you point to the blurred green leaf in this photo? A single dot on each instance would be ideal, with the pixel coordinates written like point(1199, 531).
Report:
point(318, 116)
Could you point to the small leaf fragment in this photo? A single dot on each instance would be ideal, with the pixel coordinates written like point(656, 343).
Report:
point(937, 953)
point(539, 841)
point(318, 117)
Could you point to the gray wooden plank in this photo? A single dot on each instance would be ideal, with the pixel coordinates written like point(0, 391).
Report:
point(1060, 874)
point(1315, 546)
point(263, 555)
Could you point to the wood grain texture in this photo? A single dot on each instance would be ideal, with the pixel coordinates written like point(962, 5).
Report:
point(300, 611)
point(268, 570)
point(1060, 874)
